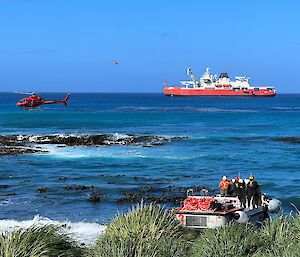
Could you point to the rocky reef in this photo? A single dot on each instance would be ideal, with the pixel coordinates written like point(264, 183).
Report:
point(291, 140)
point(169, 194)
point(28, 144)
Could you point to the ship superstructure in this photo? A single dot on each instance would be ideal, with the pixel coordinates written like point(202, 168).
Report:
point(209, 84)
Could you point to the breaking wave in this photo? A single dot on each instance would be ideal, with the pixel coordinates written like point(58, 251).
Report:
point(81, 232)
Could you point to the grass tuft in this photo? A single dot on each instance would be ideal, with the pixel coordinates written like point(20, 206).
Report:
point(231, 240)
point(37, 242)
point(146, 230)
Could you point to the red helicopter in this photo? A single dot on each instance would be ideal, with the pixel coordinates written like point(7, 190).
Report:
point(34, 101)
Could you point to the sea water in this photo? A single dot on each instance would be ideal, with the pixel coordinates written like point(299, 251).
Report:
point(226, 136)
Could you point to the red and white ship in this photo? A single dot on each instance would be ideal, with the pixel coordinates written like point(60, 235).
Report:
point(210, 85)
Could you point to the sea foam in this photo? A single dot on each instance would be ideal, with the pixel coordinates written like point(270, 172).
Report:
point(81, 232)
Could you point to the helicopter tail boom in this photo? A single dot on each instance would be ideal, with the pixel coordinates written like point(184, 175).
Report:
point(65, 101)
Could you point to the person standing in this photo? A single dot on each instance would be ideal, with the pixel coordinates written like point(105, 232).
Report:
point(236, 187)
point(253, 193)
point(224, 186)
point(239, 190)
point(242, 192)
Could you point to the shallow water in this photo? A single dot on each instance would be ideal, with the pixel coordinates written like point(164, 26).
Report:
point(227, 136)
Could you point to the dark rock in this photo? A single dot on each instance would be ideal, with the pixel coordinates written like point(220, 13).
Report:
point(26, 144)
point(10, 194)
point(17, 150)
point(291, 140)
point(117, 182)
point(25, 182)
point(94, 197)
point(79, 187)
point(4, 186)
point(169, 194)
point(62, 178)
point(42, 190)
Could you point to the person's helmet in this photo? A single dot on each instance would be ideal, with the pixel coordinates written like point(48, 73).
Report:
point(237, 178)
point(251, 177)
point(224, 178)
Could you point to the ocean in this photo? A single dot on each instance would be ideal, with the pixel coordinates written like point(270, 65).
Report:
point(224, 136)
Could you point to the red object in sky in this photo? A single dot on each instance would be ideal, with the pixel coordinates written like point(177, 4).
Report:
point(115, 63)
point(34, 101)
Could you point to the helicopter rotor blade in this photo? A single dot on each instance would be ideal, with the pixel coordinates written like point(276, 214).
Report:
point(25, 93)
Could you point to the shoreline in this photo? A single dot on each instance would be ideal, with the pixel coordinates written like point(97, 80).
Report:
point(93, 240)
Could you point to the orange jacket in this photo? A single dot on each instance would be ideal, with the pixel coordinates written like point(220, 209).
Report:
point(224, 185)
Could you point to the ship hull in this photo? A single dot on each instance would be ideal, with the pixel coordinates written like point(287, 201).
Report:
point(178, 91)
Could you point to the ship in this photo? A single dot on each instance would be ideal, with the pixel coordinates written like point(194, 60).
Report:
point(211, 85)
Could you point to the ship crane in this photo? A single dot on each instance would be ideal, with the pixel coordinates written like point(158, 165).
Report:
point(194, 82)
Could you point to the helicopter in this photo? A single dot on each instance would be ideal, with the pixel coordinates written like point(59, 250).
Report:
point(35, 101)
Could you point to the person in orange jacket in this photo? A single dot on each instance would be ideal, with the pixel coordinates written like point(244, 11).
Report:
point(224, 186)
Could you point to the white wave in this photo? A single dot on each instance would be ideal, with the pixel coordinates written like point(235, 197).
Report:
point(81, 232)
point(286, 108)
point(115, 152)
point(20, 137)
point(183, 108)
point(117, 136)
point(93, 152)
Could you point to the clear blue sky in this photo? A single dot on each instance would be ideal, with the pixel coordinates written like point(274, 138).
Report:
point(69, 45)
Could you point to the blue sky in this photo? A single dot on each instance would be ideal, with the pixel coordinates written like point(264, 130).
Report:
point(69, 45)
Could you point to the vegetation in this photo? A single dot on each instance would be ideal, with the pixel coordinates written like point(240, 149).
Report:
point(150, 230)
point(37, 242)
point(230, 241)
point(277, 238)
point(146, 230)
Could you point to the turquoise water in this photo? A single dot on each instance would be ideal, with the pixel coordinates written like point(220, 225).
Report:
point(227, 136)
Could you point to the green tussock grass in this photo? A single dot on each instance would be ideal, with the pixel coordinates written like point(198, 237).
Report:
point(281, 237)
point(277, 238)
point(230, 241)
point(37, 242)
point(146, 230)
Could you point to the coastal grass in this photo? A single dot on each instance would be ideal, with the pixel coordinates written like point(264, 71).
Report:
point(149, 230)
point(279, 237)
point(152, 231)
point(146, 230)
point(43, 241)
point(230, 241)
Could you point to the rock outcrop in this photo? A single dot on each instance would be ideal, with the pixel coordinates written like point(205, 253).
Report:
point(28, 144)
